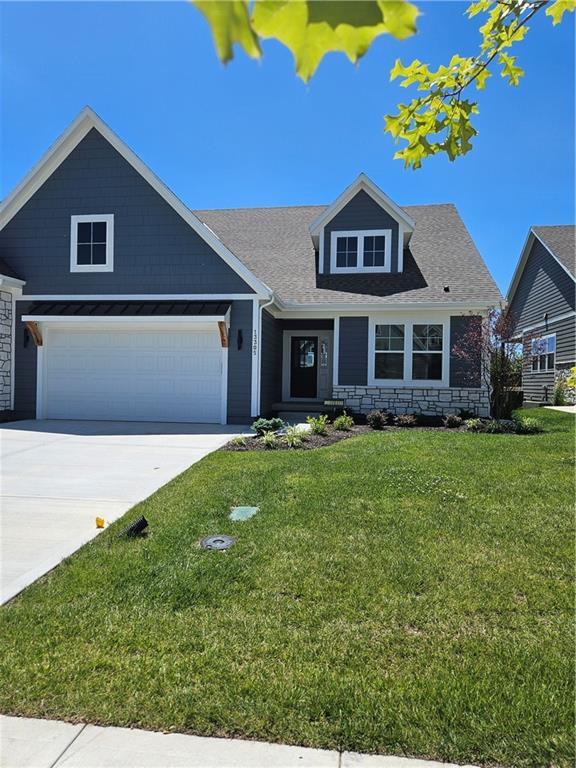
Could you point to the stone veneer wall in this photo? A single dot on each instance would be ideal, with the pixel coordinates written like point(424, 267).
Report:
point(427, 401)
point(6, 320)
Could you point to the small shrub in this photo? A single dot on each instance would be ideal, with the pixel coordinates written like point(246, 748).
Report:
point(571, 379)
point(239, 441)
point(527, 426)
point(377, 419)
point(405, 420)
point(318, 424)
point(269, 440)
point(559, 397)
point(261, 426)
point(343, 423)
point(473, 425)
point(294, 437)
point(493, 427)
point(452, 421)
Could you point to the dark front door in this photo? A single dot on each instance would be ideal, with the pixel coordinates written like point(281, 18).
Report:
point(304, 366)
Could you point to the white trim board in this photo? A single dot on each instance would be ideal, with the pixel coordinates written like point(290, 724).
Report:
point(72, 136)
point(137, 297)
point(101, 218)
point(123, 319)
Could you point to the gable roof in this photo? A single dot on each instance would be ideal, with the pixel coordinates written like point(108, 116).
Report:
point(63, 146)
point(363, 182)
point(559, 241)
point(275, 244)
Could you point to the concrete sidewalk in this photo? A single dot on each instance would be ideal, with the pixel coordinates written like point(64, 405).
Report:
point(28, 743)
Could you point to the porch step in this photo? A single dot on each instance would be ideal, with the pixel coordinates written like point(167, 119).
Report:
point(296, 413)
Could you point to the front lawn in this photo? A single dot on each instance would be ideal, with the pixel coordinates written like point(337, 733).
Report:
point(406, 592)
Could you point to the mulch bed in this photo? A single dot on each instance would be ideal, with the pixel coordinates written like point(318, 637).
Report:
point(311, 441)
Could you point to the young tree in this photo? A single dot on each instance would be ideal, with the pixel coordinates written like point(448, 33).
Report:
point(486, 349)
point(439, 118)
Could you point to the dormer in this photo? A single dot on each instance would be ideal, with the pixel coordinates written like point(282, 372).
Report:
point(362, 232)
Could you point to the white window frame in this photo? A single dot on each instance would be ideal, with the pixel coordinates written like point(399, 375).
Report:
point(360, 234)
point(409, 323)
point(547, 369)
point(92, 218)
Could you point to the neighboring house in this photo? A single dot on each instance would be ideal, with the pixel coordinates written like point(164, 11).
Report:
point(541, 308)
point(125, 304)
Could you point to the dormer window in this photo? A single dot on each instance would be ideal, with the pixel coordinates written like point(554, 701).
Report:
point(365, 251)
point(92, 243)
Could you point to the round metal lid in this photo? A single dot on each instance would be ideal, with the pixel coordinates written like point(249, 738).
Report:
point(220, 541)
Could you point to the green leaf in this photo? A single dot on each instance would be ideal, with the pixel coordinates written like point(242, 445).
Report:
point(559, 8)
point(312, 28)
point(509, 68)
point(481, 78)
point(230, 24)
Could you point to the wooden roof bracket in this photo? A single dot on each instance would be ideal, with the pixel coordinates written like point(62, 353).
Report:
point(223, 333)
point(34, 331)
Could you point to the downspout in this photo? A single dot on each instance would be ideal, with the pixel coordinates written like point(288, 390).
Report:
point(259, 365)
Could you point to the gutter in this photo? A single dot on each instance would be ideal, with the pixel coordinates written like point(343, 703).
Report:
point(259, 362)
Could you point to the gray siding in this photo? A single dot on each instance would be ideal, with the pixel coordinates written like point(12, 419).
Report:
point(271, 372)
point(307, 325)
point(539, 386)
point(25, 368)
point(544, 287)
point(362, 212)
point(464, 372)
point(353, 351)
point(240, 364)
point(155, 251)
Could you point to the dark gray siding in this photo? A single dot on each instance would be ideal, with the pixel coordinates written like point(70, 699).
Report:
point(307, 325)
point(25, 367)
point(240, 364)
point(362, 212)
point(155, 251)
point(539, 386)
point(353, 351)
point(544, 287)
point(465, 371)
point(271, 372)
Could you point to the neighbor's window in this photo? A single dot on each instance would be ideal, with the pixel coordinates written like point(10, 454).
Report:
point(365, 251)
point(543, 353)
point(389, 352)
point(92, 243)
point(346, 252)
point(427, 352)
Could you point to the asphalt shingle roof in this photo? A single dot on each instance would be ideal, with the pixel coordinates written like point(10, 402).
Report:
point(275, 244)
point(561, 241)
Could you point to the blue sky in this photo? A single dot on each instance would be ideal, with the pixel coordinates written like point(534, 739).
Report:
point(252, 133)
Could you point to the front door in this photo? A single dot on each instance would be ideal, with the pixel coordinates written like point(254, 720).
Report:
point(304, 367)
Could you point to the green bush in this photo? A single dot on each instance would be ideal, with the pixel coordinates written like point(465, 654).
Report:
point(261, 426)
point(493, 427)
point(377, 419)
point(318, 424)
point(559, 397)
point(294, 437)
point(405, 420)
point(269, 440)
point(343, 423)
point(239, 441)
point(524, 425)
point(473, 425)
point(452, 421)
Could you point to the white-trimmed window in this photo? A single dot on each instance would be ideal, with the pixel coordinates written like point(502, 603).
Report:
point(406, 353)
point(543, 353)
point(427, 352)
point(361, 251)
point(389, 352)
point(92, 243)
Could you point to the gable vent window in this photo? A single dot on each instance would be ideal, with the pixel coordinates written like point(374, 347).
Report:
point(366, 251)
point(92, 243)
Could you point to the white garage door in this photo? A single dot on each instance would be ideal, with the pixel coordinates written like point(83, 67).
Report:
point(132, 374)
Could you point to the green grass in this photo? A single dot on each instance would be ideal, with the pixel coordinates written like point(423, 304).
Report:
point(404, 592)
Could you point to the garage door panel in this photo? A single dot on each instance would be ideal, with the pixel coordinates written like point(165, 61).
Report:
point(133, 375)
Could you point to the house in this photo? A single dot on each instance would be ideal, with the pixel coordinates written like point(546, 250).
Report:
point(119, 302)
point(541, 309)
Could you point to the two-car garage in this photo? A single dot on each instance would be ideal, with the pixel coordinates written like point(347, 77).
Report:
point(132, 367)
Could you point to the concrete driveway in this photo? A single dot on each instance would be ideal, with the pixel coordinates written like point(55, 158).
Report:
point(57, 476)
